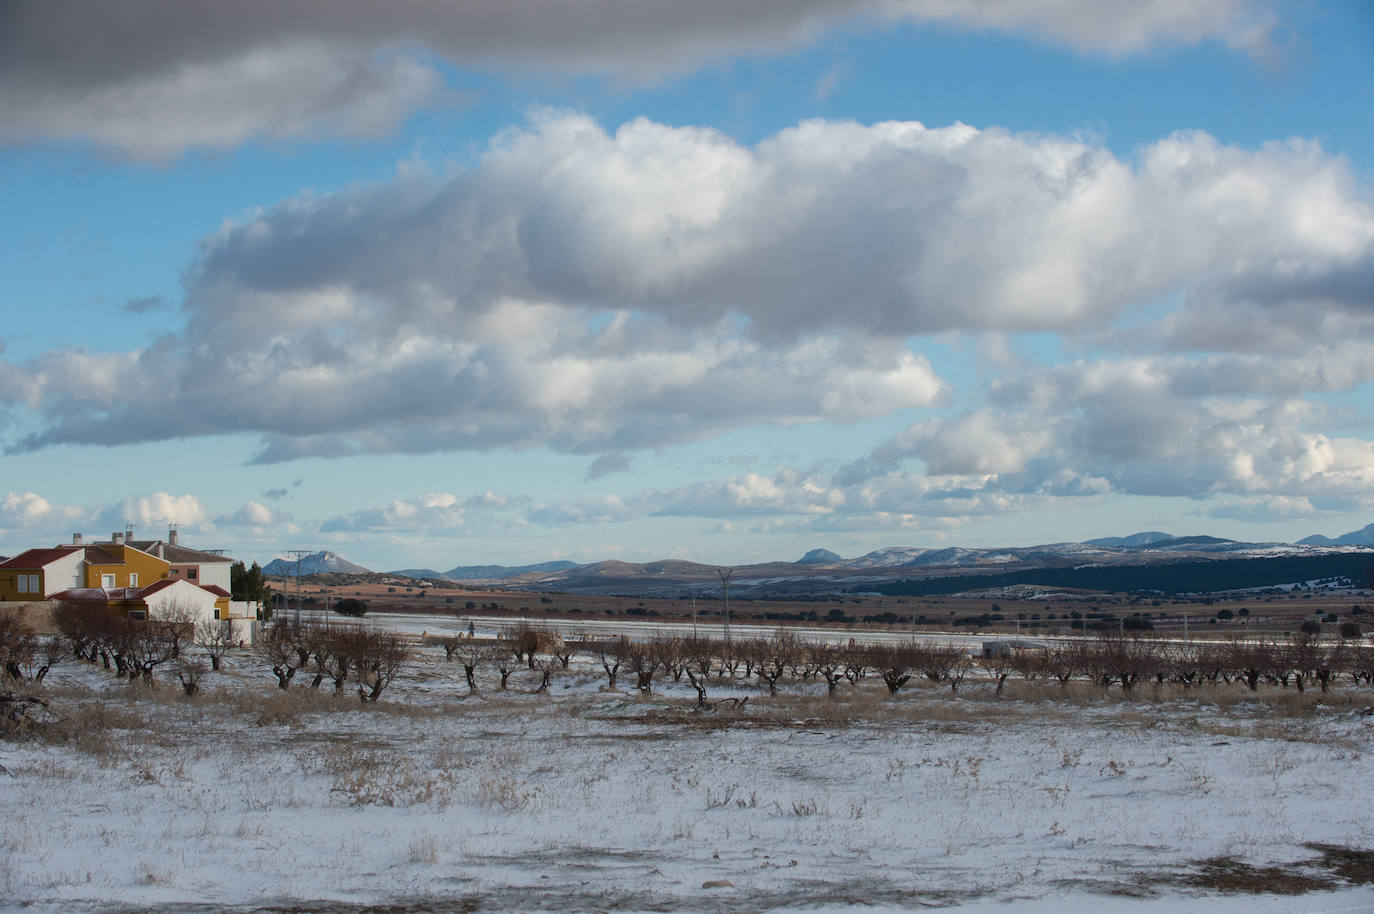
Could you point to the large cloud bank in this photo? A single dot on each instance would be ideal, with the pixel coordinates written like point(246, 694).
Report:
point(150, 79)
point(599, 292)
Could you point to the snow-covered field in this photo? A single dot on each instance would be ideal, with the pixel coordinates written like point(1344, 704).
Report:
point(581, 799)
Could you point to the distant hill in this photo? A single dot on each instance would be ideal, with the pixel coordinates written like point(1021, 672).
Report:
point(419, 573)
point(892, 555)
point(1361, 537)
point(819, 557)
point(1135, 539)
point(497, 572)
point(323, 562)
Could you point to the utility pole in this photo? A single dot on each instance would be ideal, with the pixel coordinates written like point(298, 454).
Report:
point(297, 554)
point(724, 575)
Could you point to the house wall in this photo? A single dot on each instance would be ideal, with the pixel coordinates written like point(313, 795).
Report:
point(9, 589)
point(181, 594)
point(206, 573)
point(67, 572)
point(59, 574)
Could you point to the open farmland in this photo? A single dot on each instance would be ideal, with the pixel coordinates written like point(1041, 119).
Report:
point(1267, 610)
point(583, 796)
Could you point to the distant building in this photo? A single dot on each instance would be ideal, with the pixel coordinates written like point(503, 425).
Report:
point(137, 579)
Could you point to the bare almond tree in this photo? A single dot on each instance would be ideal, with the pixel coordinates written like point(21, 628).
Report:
point(215, 637)
point(611, 654)
point(336, 649)
point(701, 653)
point(644, 659)
point(277, 648)
point(504, 658)
point(775, 655)
point(1000, 664)
point(827, 660)
point(450, 644)
point(379, 657)
point(178, 620)
point(472, 654)
point(857, 661)
point(545, 665)
point(894, 662)
point(1252, 661)
point(189, 673)
point(18, 646)
point(143, 646)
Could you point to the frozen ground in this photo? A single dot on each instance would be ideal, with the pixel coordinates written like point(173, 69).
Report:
point(250, 799)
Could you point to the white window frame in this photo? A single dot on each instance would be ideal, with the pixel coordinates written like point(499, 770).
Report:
point(133, 579)
point(104, 578)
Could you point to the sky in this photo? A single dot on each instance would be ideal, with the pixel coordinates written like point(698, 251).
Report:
point(432, 284)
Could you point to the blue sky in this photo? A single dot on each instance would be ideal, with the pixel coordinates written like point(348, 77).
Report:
point(504, 282)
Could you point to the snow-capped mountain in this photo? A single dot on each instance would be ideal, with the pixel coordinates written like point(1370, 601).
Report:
point(323, 562)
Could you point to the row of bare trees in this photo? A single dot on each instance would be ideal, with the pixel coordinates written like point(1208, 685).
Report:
point(698, 660)
point(1110, 660)
point(137, 647)
point(371, 657)
point(1299, 660)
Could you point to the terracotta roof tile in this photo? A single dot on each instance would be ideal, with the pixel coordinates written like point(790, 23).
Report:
point(37, 558)
point(157, 586)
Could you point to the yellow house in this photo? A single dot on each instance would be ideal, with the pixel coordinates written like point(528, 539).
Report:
point(130, 581)
point(122, 565)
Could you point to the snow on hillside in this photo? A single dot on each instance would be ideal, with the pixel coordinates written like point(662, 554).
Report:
point(324, 562)
point(893, 555)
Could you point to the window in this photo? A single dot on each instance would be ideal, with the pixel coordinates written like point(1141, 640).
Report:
point(27, 583)
point(35, 585)
point(216, 613)
point(107, 581)
point(190, 574)
point(138, 614)
point(133, 579)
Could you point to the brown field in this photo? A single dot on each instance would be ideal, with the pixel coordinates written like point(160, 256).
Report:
point(1269, 612)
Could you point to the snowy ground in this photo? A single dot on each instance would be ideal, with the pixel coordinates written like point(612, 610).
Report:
point(250, 799)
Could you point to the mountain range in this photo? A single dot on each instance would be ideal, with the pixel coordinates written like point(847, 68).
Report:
point(1142, 560)
point(1132, 561)
point(1362, 537)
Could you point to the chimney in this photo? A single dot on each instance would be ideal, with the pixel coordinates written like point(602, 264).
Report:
point(117, 538)
point(172, 536)
point(76, 539)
